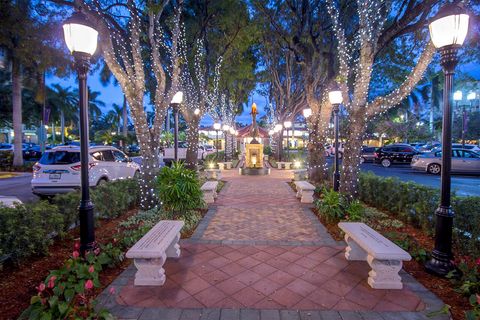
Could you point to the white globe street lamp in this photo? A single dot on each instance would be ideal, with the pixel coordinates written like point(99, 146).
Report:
point(335, 97)
point(81, 39)
point(176, 101)
point(307, 112)
point(448, 30)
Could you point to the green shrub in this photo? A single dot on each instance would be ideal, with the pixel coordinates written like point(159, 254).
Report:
point(415, 204)
point(179, 189)
point(331, 205)
point(27, 229)
point(267, 150)
point(212, 157)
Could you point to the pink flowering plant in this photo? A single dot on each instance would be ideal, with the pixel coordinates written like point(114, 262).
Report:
point(68, 293)
point(469, 284)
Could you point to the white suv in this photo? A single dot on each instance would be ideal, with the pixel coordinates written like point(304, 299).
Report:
point(58, 171)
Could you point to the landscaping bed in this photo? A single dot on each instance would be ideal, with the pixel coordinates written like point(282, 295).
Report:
point(404, 213)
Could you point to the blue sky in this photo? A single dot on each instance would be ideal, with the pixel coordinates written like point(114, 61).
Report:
point(113, 94)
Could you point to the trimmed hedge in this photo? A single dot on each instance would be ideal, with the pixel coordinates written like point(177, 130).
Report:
point(415, 204)
point(27, 229)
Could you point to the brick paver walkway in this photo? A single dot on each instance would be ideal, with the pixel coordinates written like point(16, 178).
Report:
point(259, 208)
point(260, 254)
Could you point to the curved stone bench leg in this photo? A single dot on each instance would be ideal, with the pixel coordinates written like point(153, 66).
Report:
point(307, 196)
point(150, 272)
point(353, 251)
point(384, 274)
point(173, 251)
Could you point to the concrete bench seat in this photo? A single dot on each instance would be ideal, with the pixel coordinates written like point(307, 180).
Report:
point(300, 174)
point(153, 249)
point(284, 165)
point(227, 165)
point(214, 174)
point(384, 257)
point(305, 191)
point(209, 190)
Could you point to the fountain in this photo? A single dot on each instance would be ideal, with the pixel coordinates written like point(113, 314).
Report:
point(254, 151)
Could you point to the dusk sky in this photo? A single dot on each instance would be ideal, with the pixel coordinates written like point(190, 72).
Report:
point(113, 94)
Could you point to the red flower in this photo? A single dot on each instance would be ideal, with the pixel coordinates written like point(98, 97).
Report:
point(76, 245)
point(91, 269)
point(478, 262)
point(51, 282)
point(478, 298)
point(89, 284)
point(75, 254)
point(112, 290)
point(41, 287)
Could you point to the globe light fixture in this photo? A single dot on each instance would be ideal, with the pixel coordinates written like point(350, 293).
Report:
point(278, 127)
point(177, 98)
point(335, 96)
point(287, 124)
point(307, 112)
point(448, 30)
point(226, 127)
point(81, 39)
point(196, 111)
point(80, 35)
point(471, 96)
point(457, 95)
point(217, 126)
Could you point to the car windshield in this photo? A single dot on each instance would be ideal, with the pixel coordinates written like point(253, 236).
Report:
point(60, 157)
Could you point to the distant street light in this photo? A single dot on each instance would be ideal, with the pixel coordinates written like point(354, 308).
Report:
point(81, 39)
point(335, 97)
point(226, 128)
point(448, 30)
point(288, 125)
point(216, 126)
point(307, 112)
point(176, 102)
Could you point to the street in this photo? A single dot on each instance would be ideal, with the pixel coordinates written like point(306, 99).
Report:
point(462, 185)
point(19, 187)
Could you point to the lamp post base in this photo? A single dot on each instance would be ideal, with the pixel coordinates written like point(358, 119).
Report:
point(87, 225)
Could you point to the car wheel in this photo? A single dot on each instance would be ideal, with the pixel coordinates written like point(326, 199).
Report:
point(386, 162)
point(136, 175)
point(101, 182)
point(362, 159)
point(434, 168)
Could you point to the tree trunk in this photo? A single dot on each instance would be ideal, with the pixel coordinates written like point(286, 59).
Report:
point(351, 155)
point(125, 117)
point(17, 112)
point(280, 147)
point(192, 143)
point(318, 172)
point(62, 126)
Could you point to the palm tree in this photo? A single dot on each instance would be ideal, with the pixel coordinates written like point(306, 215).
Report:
point(118, 112)
point(94, 104)
point(64, 103)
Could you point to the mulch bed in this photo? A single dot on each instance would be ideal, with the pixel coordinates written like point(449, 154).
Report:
point(17, 283)
point(443, 288)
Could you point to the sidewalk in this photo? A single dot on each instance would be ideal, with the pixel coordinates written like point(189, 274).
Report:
point(260, 254)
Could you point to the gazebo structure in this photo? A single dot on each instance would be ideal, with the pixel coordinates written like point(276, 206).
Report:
point(244, 137)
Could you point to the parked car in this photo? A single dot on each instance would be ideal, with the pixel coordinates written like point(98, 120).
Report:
point(471, 147)
point(169, 153)
point(341, 147)
point(368, 154)
point(30, 151)
point(395, 153)
point(463, 161)
point(58, 170)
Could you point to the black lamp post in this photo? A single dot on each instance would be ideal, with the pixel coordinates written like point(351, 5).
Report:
point(176, 101)
point(288, 125)
point(448, 31)
point(81, 40)
point(216, 126)
point(225, 128)
point(335, 97)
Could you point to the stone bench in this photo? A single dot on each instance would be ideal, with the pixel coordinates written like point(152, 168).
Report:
point(209, 190)
point(153, 249)
point(214, 174)
point(225, 165)
point(300, 174)
point(305, 191)
point(284, 165)
point(384, 257)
